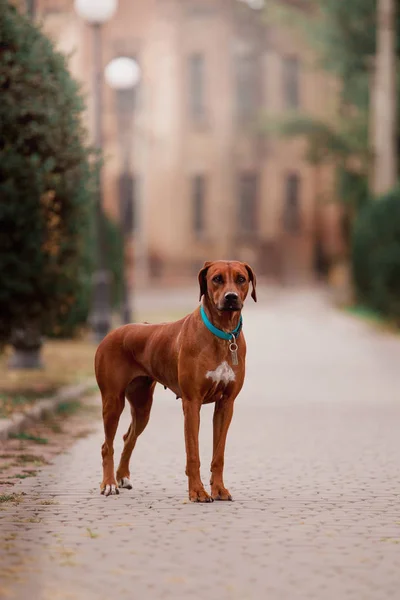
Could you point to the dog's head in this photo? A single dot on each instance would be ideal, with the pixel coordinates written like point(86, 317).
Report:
point(226, 283)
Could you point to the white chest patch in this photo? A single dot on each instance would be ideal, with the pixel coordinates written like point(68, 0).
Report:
point(222, 374)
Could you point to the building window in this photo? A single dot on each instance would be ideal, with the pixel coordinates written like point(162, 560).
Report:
point(196, 86)
point(246, 86)
point(291, 212)
point(198, 203)
point(248, 202)
point(291, 82)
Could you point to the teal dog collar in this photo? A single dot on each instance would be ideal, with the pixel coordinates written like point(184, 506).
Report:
point(218, 332)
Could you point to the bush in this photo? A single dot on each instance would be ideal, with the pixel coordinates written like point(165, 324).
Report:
point(46, 182)
point(352, 188)
point(376, 256)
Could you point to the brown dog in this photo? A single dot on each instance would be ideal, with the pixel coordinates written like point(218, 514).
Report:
point(190, 358)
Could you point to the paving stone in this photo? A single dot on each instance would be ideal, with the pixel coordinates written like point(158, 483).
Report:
point(313, 463)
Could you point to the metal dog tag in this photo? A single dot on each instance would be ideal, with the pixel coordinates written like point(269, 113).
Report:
point(233, 347)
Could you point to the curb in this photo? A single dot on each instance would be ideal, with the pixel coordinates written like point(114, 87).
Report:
point(19, 421)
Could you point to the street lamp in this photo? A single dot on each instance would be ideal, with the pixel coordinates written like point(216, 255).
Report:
point(122, 74)
point(254, 4)
point(31, 8)
point(96, 13)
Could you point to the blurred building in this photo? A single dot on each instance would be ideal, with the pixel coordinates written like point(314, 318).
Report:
point(206, 184)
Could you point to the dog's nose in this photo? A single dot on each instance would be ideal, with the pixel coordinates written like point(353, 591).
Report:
point(231, 297)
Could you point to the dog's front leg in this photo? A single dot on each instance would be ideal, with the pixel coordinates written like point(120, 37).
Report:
point(222, 419)
point(191, 411)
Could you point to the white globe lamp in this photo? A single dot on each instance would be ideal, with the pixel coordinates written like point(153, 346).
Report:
point(256, 4)
point(96, 12)
point(122, 73)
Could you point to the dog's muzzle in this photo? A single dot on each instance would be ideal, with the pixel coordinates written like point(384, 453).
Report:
point(231, 302)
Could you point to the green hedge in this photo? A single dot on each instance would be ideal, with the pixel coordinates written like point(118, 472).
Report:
point(46, 180)
point(376, 256)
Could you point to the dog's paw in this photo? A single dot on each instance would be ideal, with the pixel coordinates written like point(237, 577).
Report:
point(199, 495)
point(125, 482)
point(220, 493)
point(109, 490)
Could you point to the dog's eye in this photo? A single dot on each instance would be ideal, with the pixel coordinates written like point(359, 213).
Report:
point(217, 279)
point(241, 279)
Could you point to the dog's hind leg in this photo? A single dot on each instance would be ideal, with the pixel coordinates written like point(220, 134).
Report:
point(113, 406)
point(140, 396)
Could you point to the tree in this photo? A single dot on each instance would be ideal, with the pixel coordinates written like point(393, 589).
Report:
point(45, 185)
point(343, 37)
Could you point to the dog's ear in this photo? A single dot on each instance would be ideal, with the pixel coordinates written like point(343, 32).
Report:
point(253, 280)
point(203, 279)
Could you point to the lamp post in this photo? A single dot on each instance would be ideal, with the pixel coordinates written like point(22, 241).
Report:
point(122, 74)
point(96, 13)
point(31, 8)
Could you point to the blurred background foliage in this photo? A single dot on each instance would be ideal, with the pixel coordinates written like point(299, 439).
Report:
point(343, 36)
